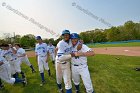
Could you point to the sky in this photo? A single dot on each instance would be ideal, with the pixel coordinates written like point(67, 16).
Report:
point(74, 15)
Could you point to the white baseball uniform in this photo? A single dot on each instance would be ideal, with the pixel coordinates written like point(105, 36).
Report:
point(51, 52)
point(20, 53)
point(41, 51)
point(80, 68)
point(0, 51)
point(12, 59)
point(5, 71)
point(63, 68)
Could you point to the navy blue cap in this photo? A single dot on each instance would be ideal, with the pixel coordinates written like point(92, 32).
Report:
point(38, 38)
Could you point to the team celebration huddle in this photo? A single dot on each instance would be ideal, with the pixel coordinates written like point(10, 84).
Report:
point(69, 58)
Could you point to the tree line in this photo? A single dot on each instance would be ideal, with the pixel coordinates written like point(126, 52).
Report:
point(128, 31)
point(26, 41)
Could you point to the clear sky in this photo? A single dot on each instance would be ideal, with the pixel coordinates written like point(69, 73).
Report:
point(64, 14)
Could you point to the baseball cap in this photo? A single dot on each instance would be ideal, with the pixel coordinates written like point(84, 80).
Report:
point(38, 38)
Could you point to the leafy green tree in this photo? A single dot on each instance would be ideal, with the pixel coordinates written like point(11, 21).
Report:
point(17, 39)
point(28, 40)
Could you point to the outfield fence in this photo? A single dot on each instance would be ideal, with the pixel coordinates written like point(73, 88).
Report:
point(117, 42)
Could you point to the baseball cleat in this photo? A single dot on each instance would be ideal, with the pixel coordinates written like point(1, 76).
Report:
point(61, 91)
point(24, 82)
point(77, 91)
point(42, 83)
point(137, 69)
point(33, 71)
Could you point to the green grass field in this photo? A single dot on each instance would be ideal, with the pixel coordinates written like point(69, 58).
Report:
point(130, 44)
point(108, 75)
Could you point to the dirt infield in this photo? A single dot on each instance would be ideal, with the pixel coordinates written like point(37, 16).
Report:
point(128, 51)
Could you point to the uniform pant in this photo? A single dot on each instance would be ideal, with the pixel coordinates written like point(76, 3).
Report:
point(63, 72)
point(52, 56)
point(25, 60)
point(82, 70)
point(15, 66)
point(42, 64)
point(5, 74)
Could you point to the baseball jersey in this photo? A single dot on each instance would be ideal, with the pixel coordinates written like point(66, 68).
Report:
point(51, 49)
point(9, 55)
point(2, 59)
point(41, 49)
point(0, 51)
point(20, 52)
point(81, 59)
point(63, 48)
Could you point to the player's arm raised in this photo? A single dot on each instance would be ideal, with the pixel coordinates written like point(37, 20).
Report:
point(86, 51)
point(23, 55)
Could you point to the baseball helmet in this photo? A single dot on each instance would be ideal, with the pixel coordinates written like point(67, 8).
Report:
point(74, 36)
point(38, 38)
point(65, 32)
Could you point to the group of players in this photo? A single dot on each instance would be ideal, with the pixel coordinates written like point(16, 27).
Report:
point(11, 58)
point(69, 58)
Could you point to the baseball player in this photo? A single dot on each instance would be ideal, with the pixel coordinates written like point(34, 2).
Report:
point(41, 57)
point(0, 50)
point(1, 84)
point(51, 49)
point(23, 57)
point(5, 73)
point(79, 64)
point(63, 67)
point(9, 53)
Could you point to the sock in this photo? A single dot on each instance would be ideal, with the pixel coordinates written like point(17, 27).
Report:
point(15, 75)
point(68, 90)
point(59, 86)
point(32, 67)
point(49, 72)
point(77, 87)
point(17, 80)
point(42, 76)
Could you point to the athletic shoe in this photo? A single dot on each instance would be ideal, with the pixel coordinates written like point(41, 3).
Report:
point(137, 69)
point(24, 82)
point(33, 71)
point(61, 91)
point(42, 83)
point(77, 91)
